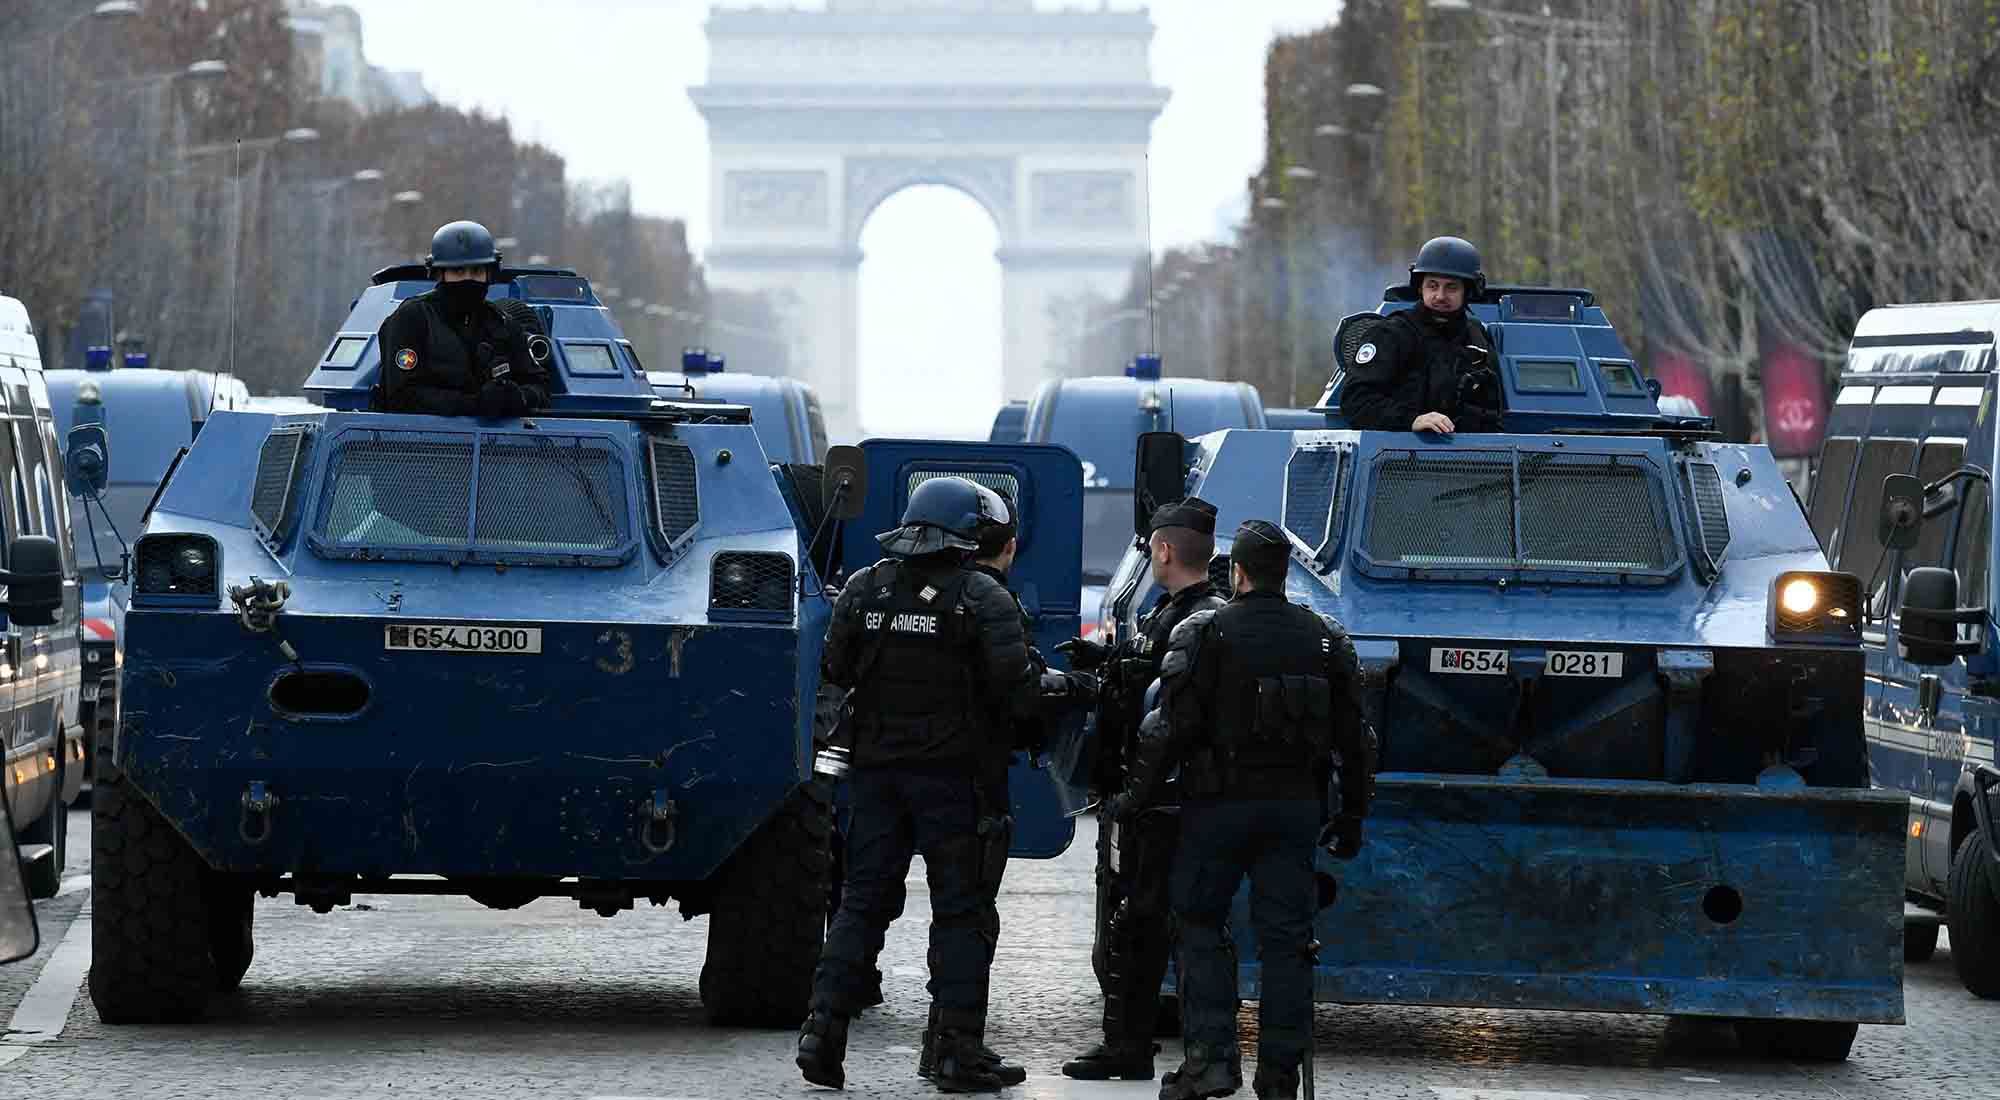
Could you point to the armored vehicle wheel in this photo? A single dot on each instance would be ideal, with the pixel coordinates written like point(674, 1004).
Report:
point(45, 876)
point(1800, 1040)
point(149, 932)
point(769, 918)
point(1919, 942)
point(230, 907)
point(1973, 911)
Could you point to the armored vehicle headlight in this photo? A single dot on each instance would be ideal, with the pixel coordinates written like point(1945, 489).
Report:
point(1800, 596)
point(176, 565)
point(758, 585)
point(1816, 607)
point(89, 394)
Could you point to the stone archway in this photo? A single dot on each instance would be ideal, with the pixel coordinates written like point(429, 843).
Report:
point(816, 118)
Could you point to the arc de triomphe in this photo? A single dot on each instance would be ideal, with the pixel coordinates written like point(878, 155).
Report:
point(816, 117)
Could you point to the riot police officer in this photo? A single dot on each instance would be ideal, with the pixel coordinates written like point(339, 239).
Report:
point(1254, 699)
point(1429, 369)
point(934, 652)
point(1139, 935)
point(451, 352)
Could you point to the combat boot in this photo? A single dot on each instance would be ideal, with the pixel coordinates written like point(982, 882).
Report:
point(961, 1065)
point(1114, 1059)
point(823, 1048)
point(1276, 1082)
point(872, 996)
point(1205, 1073)
point(1008, 1072)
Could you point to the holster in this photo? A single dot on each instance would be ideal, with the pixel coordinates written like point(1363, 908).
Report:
point(996, 835)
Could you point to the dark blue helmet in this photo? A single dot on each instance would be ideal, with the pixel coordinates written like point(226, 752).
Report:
point(946, 513)
point(1453, 257)
point(462, 244)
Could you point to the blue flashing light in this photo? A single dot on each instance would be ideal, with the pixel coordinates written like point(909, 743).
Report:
point(1145, 368)
point(136, 360)
point(694, 361)
point(717, 364)
point(97, 357)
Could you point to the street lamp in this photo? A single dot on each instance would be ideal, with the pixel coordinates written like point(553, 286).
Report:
point(1364, 90)
point(1330, 129)
point(506, 244)
point(1300, 172)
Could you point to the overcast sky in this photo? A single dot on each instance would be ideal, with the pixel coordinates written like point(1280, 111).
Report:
point(603, 82)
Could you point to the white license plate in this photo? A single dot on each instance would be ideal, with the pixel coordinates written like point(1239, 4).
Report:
point(1581, 662)
point(1476, 662)
point(427, 637)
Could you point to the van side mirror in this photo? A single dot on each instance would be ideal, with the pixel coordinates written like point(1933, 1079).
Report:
point(1159, 476)
point(1927, 624)
point(18, 935)
point(1902, 520)
point(34, 580)
point(845, 489)
point(87, 460)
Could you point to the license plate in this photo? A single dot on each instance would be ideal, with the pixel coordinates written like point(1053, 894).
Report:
point(1580, 662)
point(1476, 662)
point(427, 637)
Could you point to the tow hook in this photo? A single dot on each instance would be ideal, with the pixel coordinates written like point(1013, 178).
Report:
point(255, 824)
point(656, 823)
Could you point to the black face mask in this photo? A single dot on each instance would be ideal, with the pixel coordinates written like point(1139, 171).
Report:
point(462, 296)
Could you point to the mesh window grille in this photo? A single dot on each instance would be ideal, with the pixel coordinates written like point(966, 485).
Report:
point(278, 463)
point(676, 495)
point(538, 494)
point(1576, 511)
point(1437, 512)
point(1312, 478)
point(534, 494)
point(745, 581)
point(176, 565)
point(999, 482)
point(1709, 509)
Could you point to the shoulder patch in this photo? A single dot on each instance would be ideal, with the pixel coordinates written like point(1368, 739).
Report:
point(406, 359)
point(1365, 353)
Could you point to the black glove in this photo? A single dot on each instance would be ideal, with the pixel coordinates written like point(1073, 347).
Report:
point(1342, 837)
point(1055, 686)
point(1084, 654)
point(502, 398)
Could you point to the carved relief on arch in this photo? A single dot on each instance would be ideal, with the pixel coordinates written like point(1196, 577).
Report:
point(775, 200)
point(989, 180)
point(1084, 200)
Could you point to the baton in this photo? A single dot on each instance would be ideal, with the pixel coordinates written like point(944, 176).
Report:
point(1306, 1059)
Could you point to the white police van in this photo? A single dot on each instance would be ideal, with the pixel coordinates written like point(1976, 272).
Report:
point(1902, 497)
point(40, 669)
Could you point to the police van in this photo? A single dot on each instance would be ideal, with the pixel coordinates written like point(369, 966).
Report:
point(1902, 497)
point(785, 411)
point(39, 668)
point(1101, 420)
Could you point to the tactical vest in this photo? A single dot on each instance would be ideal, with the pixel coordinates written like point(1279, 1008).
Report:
point(1272, 713)
point(916, 701)
point(461, 356)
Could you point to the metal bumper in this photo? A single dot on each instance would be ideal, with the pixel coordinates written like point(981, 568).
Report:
point(1617, 896)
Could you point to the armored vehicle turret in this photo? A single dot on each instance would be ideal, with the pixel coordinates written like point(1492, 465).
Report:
point(569, 654)
point(1617, 690)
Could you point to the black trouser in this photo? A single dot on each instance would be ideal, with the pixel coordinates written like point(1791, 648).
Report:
point(899, 812)
point(1140, 936)
point(1272, 841)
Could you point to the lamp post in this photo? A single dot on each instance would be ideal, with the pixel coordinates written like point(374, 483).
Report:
point(1552, 26)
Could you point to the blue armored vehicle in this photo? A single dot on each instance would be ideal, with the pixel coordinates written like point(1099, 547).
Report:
point(1100, 419)
point(786, 411)
point(1010, 422)
point(1903, 499)
point(569, 654)
point(154, 414)
point(1617, 688)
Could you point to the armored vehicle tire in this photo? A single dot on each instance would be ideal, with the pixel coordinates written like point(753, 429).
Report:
point(150, 957)
point(769, 918)
point(1973, 911)
point(1799, 1040)
point(1919, 941)
point(230, 941)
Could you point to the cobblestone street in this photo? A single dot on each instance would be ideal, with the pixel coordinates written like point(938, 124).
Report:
point(397, 996)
